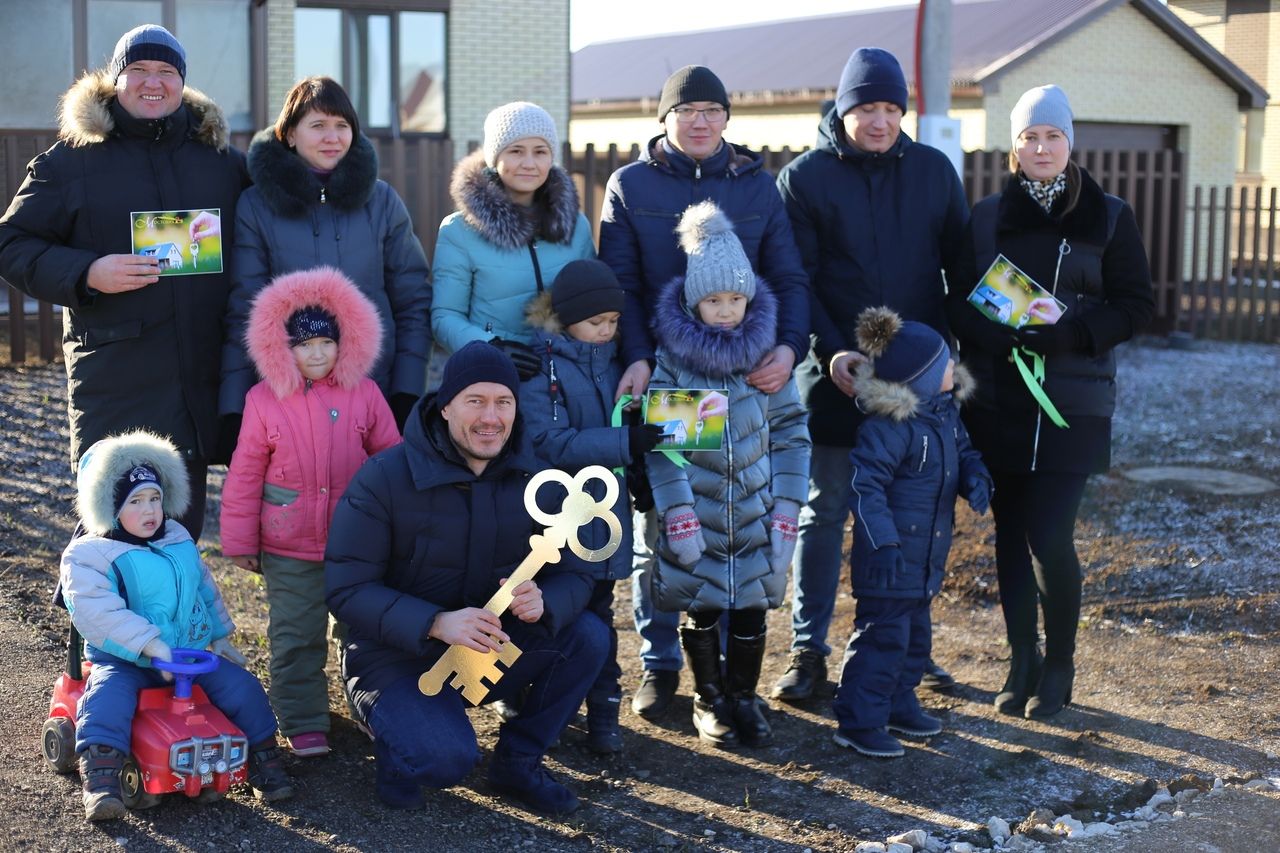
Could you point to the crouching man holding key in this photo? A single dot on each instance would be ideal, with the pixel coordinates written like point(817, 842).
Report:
point(426, 533)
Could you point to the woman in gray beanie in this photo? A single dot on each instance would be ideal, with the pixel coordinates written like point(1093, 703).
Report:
point(517, 224)
point(1057, 225)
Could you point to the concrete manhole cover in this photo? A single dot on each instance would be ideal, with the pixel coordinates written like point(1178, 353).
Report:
point(1211, 480)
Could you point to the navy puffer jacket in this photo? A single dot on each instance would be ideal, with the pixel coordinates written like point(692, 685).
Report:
point(569, 426)
point(910, 462)
point(417, 534)
point(872, 229)
point(642, 206)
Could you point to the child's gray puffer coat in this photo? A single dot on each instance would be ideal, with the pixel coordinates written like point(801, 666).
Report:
point(764, 457)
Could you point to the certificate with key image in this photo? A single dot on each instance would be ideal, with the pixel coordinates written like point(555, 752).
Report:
point(690, 418)
point(184, 242)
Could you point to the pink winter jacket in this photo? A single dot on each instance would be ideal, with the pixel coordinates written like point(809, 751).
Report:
point(301, 442)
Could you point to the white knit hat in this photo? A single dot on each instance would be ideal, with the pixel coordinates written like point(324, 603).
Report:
point(513, 121)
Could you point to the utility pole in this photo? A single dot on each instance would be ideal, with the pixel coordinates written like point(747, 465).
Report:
point(933, 81)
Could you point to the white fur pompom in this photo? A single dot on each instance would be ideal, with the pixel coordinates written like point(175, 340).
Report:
point(699, 223)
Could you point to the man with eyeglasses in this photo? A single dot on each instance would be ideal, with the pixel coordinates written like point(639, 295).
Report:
point(688, 163)
point(877, 217)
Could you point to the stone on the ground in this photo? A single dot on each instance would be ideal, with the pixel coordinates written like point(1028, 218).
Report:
point(898, 847)
point(916, 839)
point(1068, 826)
point(1098, 828)
point(870, 847)
point(1258, 785)
point(998, 829)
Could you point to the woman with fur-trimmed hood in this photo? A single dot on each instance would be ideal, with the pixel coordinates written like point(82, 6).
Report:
point(141, 351)
point(316, 200)
point(516, 226)
point(910, 459)
point(137, 589)
point(308, 426)
point(728, 516)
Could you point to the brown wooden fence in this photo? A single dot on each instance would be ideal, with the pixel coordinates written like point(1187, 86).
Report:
point(1227, 292)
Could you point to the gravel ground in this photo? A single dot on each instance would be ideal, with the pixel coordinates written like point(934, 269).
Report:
point(1178, 654)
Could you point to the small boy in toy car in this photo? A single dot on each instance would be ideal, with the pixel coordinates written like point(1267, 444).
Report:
point(136, 588)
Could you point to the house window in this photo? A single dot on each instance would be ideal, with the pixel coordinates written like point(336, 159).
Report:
point(390, 60)
point(36, 43)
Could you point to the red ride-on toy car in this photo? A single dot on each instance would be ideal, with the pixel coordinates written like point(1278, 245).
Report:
point(181, 742)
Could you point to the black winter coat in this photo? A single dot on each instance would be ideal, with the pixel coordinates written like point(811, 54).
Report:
point(149, 357)
point(1105, 282)
point(417, 534)
point(642, 206)
point(288, 220)
point(872, 229)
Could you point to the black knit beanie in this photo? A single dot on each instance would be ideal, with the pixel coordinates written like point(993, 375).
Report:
point(583, 289)
point(692, 83)
point(478, 361)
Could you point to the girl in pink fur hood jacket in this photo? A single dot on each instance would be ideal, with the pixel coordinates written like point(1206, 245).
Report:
point(311, 422)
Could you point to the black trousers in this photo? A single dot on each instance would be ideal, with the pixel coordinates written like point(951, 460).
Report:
point(742, 623)
point(193, 518)
point(1035, 515)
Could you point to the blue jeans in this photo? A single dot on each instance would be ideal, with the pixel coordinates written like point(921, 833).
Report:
point(429, 739)
point(819, 552)
point(883, 662)
point(105, 713)
point(659, 630)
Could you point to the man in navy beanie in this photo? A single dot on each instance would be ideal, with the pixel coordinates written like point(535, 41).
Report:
point(135, 143)
point(901, 221)
point(690, 159)
point(426, 532)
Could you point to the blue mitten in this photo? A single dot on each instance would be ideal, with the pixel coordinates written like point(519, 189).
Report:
point(684, 535)
point(978, 493)
point(884, 565)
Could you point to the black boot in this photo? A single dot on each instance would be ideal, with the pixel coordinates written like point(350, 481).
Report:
point(712, 713)
point(1054, 691)
point(1024, 675)
point(745, 654)
point(604, 735)
point(806, 674)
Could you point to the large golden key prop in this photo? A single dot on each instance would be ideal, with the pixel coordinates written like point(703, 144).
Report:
point(466, 669)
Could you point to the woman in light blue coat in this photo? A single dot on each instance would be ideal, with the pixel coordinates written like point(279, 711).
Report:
point(516, 226)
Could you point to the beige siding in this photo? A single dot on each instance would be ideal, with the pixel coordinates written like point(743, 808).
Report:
point(502, 51)
point(1164, 85)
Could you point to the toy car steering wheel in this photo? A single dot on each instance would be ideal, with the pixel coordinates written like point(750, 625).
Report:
point(186, 664)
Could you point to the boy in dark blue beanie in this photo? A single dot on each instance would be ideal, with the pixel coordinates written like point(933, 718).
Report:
point(911, 457)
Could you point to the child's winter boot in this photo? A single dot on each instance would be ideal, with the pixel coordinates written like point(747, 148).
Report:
point(745, 655)
point(604, 736)
point(712, 711)
point(267, 775)
point(100, 768)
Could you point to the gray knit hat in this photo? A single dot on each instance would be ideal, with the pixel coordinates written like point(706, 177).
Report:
point(1042, 105)
point(513, 121)
point(148, 41)
point(716, 259)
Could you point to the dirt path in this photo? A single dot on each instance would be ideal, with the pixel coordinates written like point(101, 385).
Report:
point(1178, 661)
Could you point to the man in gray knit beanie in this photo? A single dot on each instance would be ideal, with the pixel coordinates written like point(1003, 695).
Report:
point(1042, 105)
point(516, 120)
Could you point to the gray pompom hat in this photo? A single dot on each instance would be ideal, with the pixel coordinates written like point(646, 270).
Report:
point(716, 259)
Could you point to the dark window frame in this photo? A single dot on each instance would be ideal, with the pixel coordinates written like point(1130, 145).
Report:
point(391, 8)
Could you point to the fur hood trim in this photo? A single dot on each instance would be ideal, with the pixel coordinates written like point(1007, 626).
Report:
point(542, 316)
point(289, 187)
point(103, 464)
point(358, 325)
point(84, 113)
point(715, 352)
point(895, 400)
point(480, 196)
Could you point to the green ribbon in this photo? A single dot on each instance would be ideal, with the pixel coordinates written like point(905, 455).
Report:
point(615, 419)
point(1033, 378)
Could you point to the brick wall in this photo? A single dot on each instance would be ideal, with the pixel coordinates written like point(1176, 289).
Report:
point(502, 51)
point(280, 49)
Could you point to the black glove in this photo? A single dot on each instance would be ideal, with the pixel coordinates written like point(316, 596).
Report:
point(228, 435)
point(401, 404)
point(638, 486)
point(522, 356)
point(1061, 337)
point(993, 337)
point(641, 439)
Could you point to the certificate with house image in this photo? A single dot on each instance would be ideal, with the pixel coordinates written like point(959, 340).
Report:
point(184, 242)
point(1008, 295)
point(690, 418)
